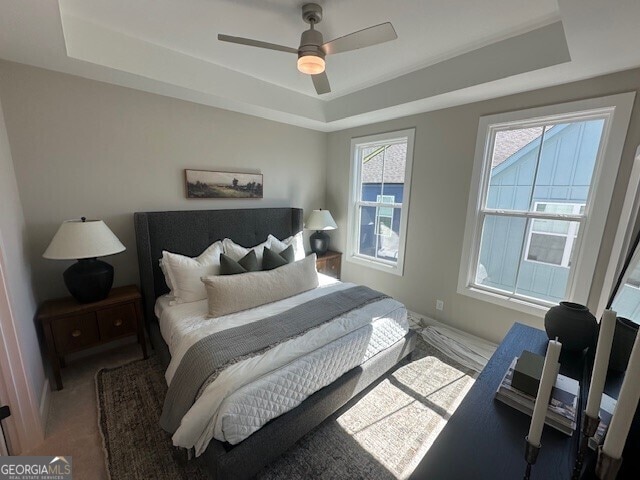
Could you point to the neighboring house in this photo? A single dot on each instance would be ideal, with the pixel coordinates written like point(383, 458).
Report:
point(382, 181)
point(567, 159)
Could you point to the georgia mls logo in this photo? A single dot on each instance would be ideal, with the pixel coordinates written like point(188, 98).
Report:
point(62, 461)
point(35, 468)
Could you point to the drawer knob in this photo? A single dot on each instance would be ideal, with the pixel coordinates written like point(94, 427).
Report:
point(76, 333)
point(118, 322)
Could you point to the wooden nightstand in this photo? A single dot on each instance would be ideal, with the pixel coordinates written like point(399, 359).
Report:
point(70, 326)
point(330, 264)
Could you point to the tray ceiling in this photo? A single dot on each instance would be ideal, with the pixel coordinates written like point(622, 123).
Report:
point(447, 53)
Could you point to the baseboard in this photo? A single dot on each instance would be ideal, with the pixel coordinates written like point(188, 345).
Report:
point(45, 403)
point(423, 319)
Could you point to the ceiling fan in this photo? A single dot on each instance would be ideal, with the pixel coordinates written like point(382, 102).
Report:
point(313, 49)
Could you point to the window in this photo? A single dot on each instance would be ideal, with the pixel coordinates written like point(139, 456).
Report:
point(538, 202)
point(551, 241)
point(379, 200)
point(384, 217)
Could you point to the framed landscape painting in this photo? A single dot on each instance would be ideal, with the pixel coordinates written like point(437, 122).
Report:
point(206, 184)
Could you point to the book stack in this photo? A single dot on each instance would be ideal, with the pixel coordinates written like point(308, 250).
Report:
point(562, 411)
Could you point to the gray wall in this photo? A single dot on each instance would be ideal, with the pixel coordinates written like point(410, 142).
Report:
point(85, 148)
point(443, 162)
point(82, 147)
point(17, 268)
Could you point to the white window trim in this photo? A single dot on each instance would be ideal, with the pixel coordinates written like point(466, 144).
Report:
point(396, 268)
point(618, 111)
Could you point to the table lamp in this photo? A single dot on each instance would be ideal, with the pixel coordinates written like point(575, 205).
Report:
point(320, 221)
point(89, 279)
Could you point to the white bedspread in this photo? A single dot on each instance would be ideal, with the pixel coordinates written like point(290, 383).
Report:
point(248, 394)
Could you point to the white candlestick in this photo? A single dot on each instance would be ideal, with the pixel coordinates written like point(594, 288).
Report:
point(601, 363)
point(548, 380)
point(626, 406)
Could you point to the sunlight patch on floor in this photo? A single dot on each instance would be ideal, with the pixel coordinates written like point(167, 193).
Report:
point(401, 417)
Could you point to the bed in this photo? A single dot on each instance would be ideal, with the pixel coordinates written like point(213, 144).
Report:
point(190, 233)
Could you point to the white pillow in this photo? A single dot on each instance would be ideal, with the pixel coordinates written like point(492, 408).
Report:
point(167, 278)
point(183, 273)
point(233, 293)
point(295, 240)
point(236, 252)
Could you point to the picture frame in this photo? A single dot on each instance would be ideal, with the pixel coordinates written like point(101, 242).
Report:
point(219, 184)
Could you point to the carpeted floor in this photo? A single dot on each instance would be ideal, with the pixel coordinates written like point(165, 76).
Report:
point(383, 435)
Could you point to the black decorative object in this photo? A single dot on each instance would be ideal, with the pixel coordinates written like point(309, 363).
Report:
point(89, 280)
point(319, 242)
point(623, 339)
point(573, 325)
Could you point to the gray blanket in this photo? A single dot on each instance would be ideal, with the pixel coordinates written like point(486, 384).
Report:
point(212, 354)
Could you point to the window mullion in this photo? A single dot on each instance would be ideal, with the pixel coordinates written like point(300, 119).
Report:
point(535, 173)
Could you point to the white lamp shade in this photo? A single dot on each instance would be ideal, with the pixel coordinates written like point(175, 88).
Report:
point(320, 220)
point(76, 239)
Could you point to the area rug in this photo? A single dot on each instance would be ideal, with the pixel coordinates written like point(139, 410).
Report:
point(382, 435)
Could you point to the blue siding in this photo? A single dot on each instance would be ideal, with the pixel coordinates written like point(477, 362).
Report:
point(370, 192)
point(564, 174)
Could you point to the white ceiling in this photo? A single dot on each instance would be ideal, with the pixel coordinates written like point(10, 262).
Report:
point(447, 52)
point(191, 27)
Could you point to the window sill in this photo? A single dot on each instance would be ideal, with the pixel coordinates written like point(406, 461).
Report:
point(383, 267)
point(504, 301)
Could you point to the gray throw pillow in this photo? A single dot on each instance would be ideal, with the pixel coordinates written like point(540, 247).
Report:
point(248, 263)
point(271, 259)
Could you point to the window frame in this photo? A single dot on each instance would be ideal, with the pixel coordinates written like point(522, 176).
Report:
point(355, 186)
point(616, 111)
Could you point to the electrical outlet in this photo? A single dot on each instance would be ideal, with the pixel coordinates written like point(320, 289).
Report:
point(439, 305)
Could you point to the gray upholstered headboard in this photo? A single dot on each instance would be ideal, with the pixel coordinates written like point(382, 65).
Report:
point(191, 232)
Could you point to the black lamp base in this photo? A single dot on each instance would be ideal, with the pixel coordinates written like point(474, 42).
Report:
point(89, 280)
point(319, 243)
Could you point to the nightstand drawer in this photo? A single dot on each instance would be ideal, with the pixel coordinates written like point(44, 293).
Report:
point(330, 264)
point(117, 321)
point(75, 333)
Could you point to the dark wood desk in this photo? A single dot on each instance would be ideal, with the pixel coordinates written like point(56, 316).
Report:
point(484, 439)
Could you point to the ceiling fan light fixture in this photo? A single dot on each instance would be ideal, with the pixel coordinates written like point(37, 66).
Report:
point(311, 64)
point(313, 48)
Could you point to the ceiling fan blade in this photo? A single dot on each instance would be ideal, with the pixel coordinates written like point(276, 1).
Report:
point(362, 38)
point(321, 82)
point(256, 43)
